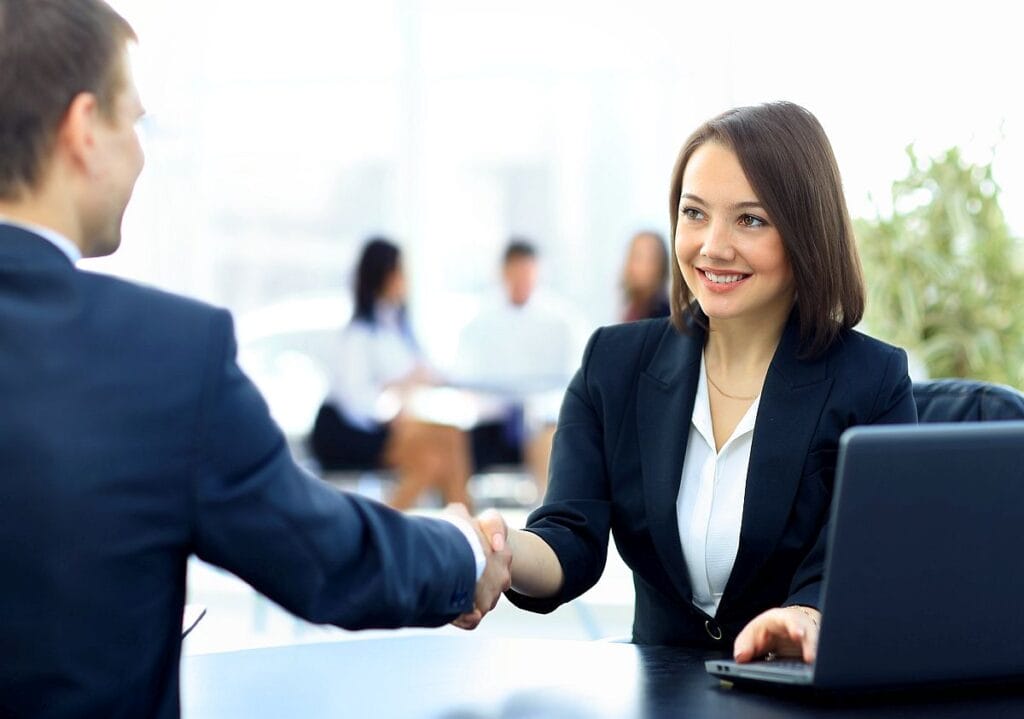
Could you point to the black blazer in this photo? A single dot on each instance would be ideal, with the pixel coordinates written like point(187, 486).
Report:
point(130, 439)
point(618, 459)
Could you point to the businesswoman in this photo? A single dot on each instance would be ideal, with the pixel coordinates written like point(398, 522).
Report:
point(707, 443)
point(364, 423)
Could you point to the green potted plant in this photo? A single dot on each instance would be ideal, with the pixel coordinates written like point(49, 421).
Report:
point(945, 277)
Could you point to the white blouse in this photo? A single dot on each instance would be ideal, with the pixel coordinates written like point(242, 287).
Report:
point(709, 507)
point(368, 357)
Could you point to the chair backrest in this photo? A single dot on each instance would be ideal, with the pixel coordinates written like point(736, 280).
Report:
point(966, 400)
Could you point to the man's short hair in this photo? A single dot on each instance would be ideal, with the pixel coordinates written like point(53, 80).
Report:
point(519, 248)
point(50, 51)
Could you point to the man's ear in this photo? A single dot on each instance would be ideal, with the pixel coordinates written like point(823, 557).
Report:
point(76, 136)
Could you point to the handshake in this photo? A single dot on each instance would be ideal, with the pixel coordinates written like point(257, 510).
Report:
point(492, 531)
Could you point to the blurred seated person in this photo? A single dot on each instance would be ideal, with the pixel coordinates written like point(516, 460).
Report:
point(519, 350)
point(645, 278)
point(363, 423)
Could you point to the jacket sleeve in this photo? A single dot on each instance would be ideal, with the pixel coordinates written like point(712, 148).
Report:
point(322, 554)
point(893, 404)
point(576, 515)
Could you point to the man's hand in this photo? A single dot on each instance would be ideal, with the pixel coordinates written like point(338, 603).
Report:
point(784, 631)
point(492, 531)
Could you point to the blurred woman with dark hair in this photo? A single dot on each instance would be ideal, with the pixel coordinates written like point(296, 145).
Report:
point(645, 278)
point(362, 424)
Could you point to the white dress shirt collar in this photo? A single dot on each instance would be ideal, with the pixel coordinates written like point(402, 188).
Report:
point(62, 243)
point(702, 413)
point(709, 506)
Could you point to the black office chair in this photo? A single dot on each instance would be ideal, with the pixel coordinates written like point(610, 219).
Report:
point(966, 400)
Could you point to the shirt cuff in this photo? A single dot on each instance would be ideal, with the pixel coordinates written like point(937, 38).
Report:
point(474, 541)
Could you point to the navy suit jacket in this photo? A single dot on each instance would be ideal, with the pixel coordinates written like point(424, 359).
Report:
point(129, 440)
point(618, 459)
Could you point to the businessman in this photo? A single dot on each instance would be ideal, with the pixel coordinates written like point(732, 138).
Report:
point(130, 439)
point(521, 346)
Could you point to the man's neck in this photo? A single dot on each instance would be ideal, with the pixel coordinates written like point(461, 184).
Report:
point(62, 243)
point(35, 212)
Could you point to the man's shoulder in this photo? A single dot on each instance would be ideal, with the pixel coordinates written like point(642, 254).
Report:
point(136, 298)
point(150, 322)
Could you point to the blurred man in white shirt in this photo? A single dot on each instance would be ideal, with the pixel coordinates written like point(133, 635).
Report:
point(521, 351)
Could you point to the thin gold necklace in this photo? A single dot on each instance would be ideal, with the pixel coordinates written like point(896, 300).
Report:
point(724, 393)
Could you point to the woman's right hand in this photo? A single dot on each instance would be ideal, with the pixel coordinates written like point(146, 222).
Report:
point(492, 524)
point(492, 530)
point(536, 570)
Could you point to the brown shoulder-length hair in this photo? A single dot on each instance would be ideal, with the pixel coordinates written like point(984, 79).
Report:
point(50, 51)
point(789, 163)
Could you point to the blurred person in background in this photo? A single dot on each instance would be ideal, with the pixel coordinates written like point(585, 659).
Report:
point(645, 278)
point(365, 422)
point(519, 349)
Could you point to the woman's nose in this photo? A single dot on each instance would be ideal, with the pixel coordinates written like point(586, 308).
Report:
point(718, 243)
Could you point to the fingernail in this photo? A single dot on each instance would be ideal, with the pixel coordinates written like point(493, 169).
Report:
point(498, 541)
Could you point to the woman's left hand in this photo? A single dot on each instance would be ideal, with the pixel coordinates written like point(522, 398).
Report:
point(783, 632)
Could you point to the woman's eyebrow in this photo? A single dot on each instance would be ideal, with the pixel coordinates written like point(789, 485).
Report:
point(745, 205)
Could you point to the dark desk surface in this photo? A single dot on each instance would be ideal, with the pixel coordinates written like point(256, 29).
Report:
point(446, 677)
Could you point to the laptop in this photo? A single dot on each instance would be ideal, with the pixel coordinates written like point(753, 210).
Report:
point(924, 576)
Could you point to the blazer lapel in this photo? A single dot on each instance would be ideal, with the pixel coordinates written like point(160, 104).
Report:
point(791, 402)
point(665, 396)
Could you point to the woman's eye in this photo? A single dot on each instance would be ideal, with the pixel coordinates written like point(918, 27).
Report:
point(752, 221)
point(692, 213)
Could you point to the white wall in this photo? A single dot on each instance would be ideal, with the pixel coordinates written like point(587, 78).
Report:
point(280, 134)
